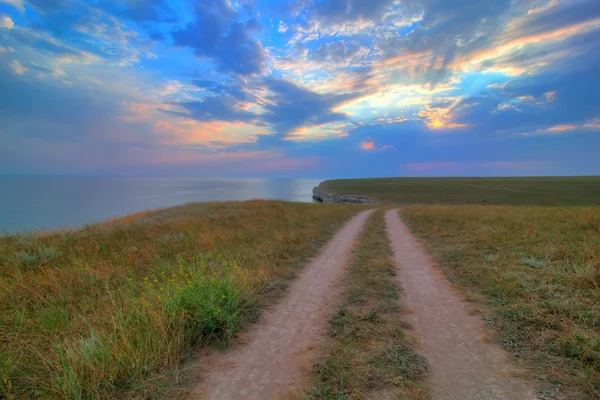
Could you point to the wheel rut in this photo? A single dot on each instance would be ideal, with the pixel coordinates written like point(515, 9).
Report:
point(280, 349)
point(464, 365)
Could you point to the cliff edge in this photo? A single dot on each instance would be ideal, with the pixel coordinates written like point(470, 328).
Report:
point(329, 197)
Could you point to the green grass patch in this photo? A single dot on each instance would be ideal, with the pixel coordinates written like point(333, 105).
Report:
point(113, 310)
point(583, 191)
point(369, 354)
point(536, 272)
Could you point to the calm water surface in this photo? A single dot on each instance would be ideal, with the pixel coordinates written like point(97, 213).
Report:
point(34, 203)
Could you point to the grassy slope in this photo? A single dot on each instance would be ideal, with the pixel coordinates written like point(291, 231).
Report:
point(112, 309)
point(510, 191)
point(538, 269)
point(369, 355)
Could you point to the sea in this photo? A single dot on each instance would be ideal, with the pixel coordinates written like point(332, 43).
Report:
point(46, 203)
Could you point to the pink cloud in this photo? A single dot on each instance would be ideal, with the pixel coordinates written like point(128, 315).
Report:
point(367, 145)
point(561, 128)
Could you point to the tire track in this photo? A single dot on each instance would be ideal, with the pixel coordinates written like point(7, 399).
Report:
point(463, 364)
point(281, 347)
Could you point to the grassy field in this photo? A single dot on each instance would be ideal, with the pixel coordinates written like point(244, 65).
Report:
point(112, 310)
point(535, 273)
point(369, 355)
point(509, 191)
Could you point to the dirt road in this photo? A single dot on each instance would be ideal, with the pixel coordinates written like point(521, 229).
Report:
point(463, 364)
point(281, 347)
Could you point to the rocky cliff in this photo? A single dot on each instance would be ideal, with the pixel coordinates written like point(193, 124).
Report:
point(328, 197)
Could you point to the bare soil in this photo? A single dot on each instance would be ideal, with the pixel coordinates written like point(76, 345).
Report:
point(279, 350)
point(463, 363)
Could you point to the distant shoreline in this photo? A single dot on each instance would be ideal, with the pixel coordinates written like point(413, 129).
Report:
point(546, 191)
point(33, 204)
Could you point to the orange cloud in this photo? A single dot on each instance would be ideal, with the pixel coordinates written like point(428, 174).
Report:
point(549, 96)
point(367, 145)
point(389, 120)
point(590, 125)
point(182, 131)
point(543, 8)
point(139, 111)
point(511, 44)
point(561, 128)
point(404, 59)
point(320, 132)
point(440, 117)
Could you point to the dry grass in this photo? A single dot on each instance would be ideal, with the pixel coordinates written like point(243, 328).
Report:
point(572, 190)
point(538, 269)
point(112, 310)
point(369, 356)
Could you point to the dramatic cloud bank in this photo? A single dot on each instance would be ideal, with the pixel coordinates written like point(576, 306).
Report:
point(318, 88)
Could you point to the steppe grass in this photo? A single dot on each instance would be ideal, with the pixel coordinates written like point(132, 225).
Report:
point(563, 190)
point(113, 310)
point(369, 355)
point(535, 271)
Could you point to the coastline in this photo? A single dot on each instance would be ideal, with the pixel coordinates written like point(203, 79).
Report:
point(325, 196)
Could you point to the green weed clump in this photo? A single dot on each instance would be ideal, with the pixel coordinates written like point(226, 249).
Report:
point(152, 326)
point(206, 294)
point(535, 271)
point(114, 310)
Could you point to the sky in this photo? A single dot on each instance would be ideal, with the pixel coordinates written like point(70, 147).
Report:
point(300, 88)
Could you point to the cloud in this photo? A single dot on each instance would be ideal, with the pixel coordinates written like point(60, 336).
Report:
point(290, 106)
point(543, 7)
point(367, 145)
point(44, 71)
point(439, 115)
point(447, 30)
point(6, 22)
point(211, 135)
point(140, 11)
point(213, 108)
point(134, 10)
point(552, 17)
point(6, 49)
point(17, 67)
point(316, 133)
point(234, 88)
point(317, 82)
point(17, 4)
point(50, 127)
point(75, 31)
point(519, 102)
point(592, 125)
point(530, 53)
point(40, 42)
point(561, 128)
point(461, 37)
point(351, 10)
point(219, 34)
point(339, 53)
point(350, 17)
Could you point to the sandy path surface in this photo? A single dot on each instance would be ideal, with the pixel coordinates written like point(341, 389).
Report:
point(281, 347)
point(463, 364)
